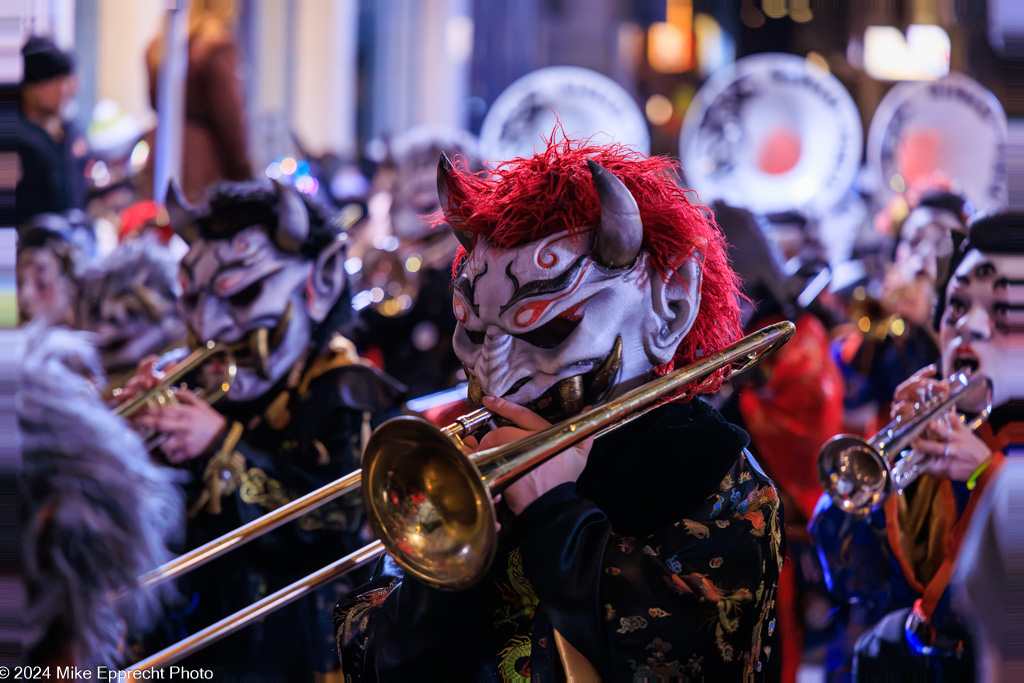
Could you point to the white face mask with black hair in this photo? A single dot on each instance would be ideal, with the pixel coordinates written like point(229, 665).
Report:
point(983, 325)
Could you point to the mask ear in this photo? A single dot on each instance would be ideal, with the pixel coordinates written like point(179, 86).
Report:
point(674, 306)
point(326, 281)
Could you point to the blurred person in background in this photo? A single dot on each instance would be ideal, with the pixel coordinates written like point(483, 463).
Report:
point(52, 153)
point(214, 145)
point(891, 337)
point(929, 237)
point(892, 566)
point(129, 302)
point(45, 271)
point(410, 329)
point(790, 403)
point(264, 276)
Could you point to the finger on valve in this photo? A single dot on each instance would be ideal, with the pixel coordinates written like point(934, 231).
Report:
point(914, 393)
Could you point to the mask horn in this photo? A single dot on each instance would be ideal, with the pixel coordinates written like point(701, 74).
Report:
point(444, 181)
point(620, 233)
point(179, 213)
point(292, 219)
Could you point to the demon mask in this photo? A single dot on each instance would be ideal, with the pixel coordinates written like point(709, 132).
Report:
point(576, 290)
point(129, 301)
point(263, 271)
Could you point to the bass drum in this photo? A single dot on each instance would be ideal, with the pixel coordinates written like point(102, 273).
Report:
point(946, 134)
point(585, 102)
point(772, 133)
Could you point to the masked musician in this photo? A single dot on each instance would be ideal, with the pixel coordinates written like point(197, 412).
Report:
point(94, 512)
point(928, 238)
point(129, 301)
point(264, 274)
point(901, 337)
point(901, 556)
point(410, 328)
point(653, 552)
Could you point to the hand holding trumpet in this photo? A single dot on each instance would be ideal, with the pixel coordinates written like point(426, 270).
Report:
point(189, 425)
point(948, 448)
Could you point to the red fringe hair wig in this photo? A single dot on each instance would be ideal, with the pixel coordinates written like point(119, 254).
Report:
point(529, 198)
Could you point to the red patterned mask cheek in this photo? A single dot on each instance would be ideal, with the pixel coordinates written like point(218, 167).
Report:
point(529, 314)
point(460, 311)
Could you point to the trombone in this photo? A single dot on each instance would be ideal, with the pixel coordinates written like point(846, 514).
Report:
point(430, 501)
point(859, 474)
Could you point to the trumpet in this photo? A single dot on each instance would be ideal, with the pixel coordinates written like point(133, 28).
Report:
point(860, 474)
point(163, 393)
point(430, 502)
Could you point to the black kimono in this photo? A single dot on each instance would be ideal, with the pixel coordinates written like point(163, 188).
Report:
point(661, 560)
point(294, 440)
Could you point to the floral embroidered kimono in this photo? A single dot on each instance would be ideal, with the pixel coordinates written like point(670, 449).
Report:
point(662, 560)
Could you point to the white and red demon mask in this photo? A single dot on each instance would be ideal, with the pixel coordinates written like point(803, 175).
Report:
point(578, 315)
point(257, 288)
point(983, 325)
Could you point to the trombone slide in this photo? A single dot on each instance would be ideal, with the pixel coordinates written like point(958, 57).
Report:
point(287, 595)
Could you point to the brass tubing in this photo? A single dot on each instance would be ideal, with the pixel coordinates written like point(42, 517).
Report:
point(242, 618)
point(430, 502)
point(182, 368)
point(247, 532)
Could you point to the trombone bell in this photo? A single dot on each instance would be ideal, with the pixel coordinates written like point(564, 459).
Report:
point(434, 508)
point(429, 502)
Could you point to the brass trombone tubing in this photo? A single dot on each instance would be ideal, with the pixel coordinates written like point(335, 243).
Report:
point(250, 531)
point(286, 513)
point(238, 620)
point(537, 448)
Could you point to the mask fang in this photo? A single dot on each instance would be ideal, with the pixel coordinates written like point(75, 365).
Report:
point(260, 348)
point(282, 327)
point(606, 373)
point(570, 395)
point(474, 392)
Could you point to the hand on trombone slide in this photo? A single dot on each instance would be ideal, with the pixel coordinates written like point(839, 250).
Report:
point(564, 467)
point(947, 447)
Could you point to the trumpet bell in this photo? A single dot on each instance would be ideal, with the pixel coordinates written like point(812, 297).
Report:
point(434, 508)
point(855, 475)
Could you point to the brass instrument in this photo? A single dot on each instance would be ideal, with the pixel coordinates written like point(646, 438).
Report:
point(163, 393)
point(430, 501)
point(860, 474)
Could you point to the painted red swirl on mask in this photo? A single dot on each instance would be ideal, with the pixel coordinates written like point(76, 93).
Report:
point(548, 259)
